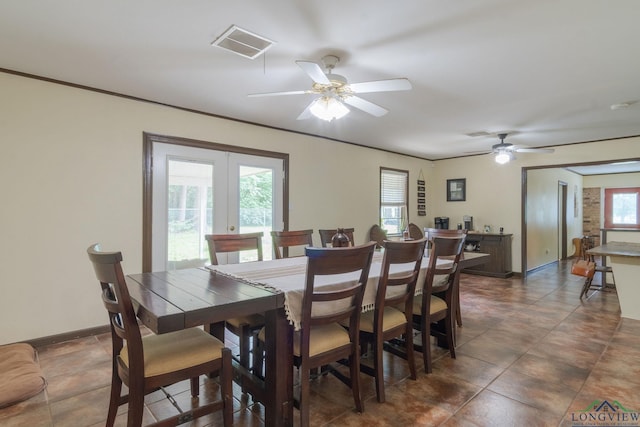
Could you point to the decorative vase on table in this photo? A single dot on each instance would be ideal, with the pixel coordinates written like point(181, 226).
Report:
point(340, 240)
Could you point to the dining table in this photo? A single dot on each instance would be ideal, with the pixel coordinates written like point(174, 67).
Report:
point(167, 301)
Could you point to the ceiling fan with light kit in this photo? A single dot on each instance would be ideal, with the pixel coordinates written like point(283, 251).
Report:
point(335, 92)
point(505, 151)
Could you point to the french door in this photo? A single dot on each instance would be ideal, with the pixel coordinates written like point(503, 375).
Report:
point(198, 191)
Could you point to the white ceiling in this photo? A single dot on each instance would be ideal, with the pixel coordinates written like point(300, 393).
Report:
point(547, 71)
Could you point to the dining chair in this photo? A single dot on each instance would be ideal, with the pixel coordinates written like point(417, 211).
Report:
point(433, 312)
point(225, 243)
point(378, 235)
point(146, 364)
point(244, 327)
point(288, 239)
point(386, 321)
point(438, 232)
point(415, 232)
point(321, 339)
point(326, 235)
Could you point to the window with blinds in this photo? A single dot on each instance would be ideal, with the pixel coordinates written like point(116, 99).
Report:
point(393, 200)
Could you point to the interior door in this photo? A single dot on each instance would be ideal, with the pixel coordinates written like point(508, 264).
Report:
point(197, 191)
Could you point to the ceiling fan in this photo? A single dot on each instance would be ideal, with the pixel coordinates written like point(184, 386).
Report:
point(504, 151)
point(335, 91)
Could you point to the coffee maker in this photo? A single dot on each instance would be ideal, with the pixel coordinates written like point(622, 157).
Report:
point(468, 222)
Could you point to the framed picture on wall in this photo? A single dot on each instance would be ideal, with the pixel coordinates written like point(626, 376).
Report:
point(456, 190)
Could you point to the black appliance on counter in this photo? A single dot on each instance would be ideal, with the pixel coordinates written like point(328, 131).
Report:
point(468, 222)
point(441, 222)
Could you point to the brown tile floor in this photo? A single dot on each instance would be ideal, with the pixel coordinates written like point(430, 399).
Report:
point(529, 353)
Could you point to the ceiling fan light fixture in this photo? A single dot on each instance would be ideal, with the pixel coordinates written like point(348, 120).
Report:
point(504, 157)
point(328, 108)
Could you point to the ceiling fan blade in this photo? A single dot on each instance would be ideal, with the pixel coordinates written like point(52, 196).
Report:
point(381, 86)
point(314, 71)
point(366, 106)
point(292, 92)
point(533, 150)
point(476, 153)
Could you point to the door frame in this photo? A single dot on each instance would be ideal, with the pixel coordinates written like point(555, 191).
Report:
point(523, 200)
point(562, 219)
point(147, 181)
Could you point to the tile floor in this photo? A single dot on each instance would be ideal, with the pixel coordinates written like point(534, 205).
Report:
point(529, 353)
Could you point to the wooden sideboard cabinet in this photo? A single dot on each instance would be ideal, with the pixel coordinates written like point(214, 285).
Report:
point(498, 246)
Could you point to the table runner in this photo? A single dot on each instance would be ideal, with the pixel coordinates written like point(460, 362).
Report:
point(288, 275)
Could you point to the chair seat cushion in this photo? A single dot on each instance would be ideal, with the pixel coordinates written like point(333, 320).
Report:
point(437, 305)
point(440, 282)
point(322, 338)
point(176, 350)
point(20, 375)
point(253, 321)
point(391, 319)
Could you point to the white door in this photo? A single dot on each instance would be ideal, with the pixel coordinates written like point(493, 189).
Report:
point(197, 191)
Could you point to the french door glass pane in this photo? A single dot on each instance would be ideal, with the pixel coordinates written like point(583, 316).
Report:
point(189, 213)
point(256, 207)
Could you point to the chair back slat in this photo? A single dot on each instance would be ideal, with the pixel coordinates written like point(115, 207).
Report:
point(287, 239)
point(224, 243)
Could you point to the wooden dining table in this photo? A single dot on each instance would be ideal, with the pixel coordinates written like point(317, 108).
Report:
point(172, 300)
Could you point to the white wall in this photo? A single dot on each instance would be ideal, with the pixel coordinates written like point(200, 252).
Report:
point(71, 168)
point(543, 221)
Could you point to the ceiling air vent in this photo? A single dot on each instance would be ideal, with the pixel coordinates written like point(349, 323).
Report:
point(243, 42)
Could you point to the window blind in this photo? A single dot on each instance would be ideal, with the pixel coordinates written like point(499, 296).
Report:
point(393, 191)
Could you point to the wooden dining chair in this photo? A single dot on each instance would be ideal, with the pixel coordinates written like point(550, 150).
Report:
point(430, 233)
point(288, 239)
point(326, 235)
point(386, 321)
point(244, 327)
point(440, 232)
point(321, 339)
point(225, 243)
point(378, 235)
point(145, 364)
point(414, 232)
point(433, 312)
